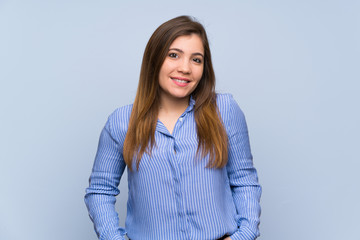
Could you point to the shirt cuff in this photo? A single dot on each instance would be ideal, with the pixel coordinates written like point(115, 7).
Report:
point(118, 237)
point(243, 234)
point(115, 236)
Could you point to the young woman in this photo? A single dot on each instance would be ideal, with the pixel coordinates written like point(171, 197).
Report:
point(190, 170)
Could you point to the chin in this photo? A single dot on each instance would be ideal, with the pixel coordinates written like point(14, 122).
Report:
point(179, 95)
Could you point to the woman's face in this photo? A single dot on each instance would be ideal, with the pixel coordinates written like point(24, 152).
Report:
point(182, 68)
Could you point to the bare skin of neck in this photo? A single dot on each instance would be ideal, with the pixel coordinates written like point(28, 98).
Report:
point(171, 109)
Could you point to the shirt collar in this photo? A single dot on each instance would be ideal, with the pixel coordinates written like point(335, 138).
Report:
point(160, 126)
point(191, 104)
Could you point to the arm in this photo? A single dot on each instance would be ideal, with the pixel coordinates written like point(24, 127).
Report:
point(103, 186)
point(242, 176)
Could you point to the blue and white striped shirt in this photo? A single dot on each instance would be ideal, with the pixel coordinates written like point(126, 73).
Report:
point(173, 195)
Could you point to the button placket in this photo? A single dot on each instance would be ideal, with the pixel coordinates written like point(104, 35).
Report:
point(178, 185)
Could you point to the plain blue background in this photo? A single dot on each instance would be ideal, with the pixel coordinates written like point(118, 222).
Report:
point(293, 67)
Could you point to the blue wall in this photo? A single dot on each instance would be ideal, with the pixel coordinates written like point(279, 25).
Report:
point(293, 67)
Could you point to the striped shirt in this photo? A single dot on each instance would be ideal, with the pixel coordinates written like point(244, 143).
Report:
point(173, 195)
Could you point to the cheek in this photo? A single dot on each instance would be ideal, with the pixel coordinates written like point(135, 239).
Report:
point(199, 73)
point(164, 68)
point(163, 72)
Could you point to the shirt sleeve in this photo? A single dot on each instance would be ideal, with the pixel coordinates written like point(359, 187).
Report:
point(243, 177)
point(103, 186)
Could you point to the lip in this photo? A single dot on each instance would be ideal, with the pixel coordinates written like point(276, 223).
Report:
point(181, 78)
point(179, 83)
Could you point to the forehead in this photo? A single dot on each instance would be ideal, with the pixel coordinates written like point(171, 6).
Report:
point(188, 43)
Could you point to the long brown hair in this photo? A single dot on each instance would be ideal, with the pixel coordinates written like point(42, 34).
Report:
point(140, 137)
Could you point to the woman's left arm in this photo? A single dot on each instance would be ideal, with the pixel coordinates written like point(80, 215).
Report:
point(242, 175)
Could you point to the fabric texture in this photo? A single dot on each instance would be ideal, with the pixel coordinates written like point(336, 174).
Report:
point(174, 195)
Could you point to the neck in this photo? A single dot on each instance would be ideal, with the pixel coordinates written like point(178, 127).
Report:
point(173, 105)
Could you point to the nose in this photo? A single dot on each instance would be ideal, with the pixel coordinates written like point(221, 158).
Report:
point(184, 66)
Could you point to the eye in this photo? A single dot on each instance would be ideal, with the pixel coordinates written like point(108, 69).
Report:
point(197, 60)
point(173, 55)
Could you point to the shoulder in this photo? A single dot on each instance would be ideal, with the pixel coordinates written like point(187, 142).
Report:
point(224, 99)
point(227, 105)
point(230, 112)
point(121, 114)
point(118, 121)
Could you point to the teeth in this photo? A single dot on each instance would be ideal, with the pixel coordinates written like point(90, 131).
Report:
point(180, 81)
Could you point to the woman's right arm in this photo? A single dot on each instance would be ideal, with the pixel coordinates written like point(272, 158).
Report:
point(103, 185)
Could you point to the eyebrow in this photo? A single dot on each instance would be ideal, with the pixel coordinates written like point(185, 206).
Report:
point(181, 51)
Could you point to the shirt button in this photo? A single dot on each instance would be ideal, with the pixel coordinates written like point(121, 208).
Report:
point(181, 119)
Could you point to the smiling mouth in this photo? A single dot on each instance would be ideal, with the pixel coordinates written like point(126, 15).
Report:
point(180, 80)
